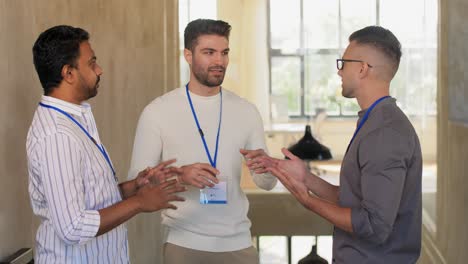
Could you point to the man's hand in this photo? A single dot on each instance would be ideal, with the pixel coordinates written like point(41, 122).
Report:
point(294, 167)
point(154, 197)
point(148, 198)
point(258, 161)
point(157, 174)
point(294, 176)
point(199, 175)
point(291, 174)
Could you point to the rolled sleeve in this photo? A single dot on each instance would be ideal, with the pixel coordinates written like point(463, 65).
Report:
point(383, 159)
point(367, 224)
point(64, 191)
point(91, 223)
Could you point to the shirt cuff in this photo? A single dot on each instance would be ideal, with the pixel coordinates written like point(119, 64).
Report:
point(360, 223)
point(265, 181)
point(368, 226)
point(90, 227)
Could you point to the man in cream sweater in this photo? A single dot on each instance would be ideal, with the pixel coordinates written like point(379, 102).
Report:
point(209, 130)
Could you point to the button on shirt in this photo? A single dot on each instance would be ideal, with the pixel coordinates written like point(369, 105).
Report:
point(69, 181)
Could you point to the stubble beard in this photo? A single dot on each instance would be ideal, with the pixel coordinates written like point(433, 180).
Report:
point(204, 78)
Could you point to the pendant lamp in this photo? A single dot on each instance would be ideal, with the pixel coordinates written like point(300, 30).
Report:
point(308, 148)
point(313, 258)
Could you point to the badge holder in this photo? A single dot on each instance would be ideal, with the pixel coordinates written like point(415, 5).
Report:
point(214, 195)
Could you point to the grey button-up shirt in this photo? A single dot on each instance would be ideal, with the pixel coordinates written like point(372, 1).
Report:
point(380, 181)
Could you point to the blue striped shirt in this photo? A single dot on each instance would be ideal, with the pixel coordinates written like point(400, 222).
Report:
point(69, 181)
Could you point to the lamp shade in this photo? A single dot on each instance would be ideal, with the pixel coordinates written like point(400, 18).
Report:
point(313, 258)
point(308, 148)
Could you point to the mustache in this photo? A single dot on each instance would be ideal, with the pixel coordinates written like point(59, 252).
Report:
point(98, 79)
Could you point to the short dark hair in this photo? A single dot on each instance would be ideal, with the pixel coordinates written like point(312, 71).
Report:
point(200, 27)
point(54, 48)
point(383, 40)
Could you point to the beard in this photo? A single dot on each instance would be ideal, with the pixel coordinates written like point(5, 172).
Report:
point(94, 90)
point(89, 91)
point(211, 77)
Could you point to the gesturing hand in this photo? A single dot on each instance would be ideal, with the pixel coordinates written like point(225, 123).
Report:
point(199, 175)
point(157, 174)
point(294, 167)
point(291, 174)
point(258, 161)
point(154, 197)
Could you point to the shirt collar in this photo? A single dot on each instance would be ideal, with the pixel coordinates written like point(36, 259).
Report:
point(68, 107)
point(384, 102)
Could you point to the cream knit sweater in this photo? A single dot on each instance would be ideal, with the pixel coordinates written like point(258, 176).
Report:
point(167, 130)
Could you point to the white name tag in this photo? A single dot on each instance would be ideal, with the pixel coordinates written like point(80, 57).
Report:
point(214, 195)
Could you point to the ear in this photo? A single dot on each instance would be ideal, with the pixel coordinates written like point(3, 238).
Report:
point(364, 70)
point(188, 56)
point(68, 73)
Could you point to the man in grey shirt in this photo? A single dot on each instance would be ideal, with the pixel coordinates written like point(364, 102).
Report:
point(376, 210)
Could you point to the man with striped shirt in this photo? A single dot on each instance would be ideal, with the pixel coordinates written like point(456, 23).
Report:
point(72, 182)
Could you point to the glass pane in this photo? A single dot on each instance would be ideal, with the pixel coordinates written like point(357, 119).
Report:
point(409, 33)
point(415, 84)
point(202, 9)
point(301, 247)
point(355, 15)
point(325, 247)
point(322, 83)
point(349, 107)
point(285, 25)
point(430, 21)
point(285, 85)
point(273, 249)
point(183, 20)
point(320, 24)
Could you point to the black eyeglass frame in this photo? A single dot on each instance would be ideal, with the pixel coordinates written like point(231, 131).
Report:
point(342, 61)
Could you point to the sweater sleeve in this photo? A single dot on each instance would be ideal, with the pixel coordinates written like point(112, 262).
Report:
point(147, 147)
point(256, 140)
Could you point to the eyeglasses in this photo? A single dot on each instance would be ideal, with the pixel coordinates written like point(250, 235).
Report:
point(340, 63)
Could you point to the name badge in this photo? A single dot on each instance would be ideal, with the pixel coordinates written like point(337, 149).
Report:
point(214, 195)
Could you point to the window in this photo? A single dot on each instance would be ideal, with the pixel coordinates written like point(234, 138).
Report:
point(283, 249)
point(306, 36)
point(190, 10)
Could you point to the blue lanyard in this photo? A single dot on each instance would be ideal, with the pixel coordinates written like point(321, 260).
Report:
point(212, 161)
point(364, 119)
point(101, 148)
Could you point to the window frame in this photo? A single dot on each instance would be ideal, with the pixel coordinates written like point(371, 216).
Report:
point(303, 52)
